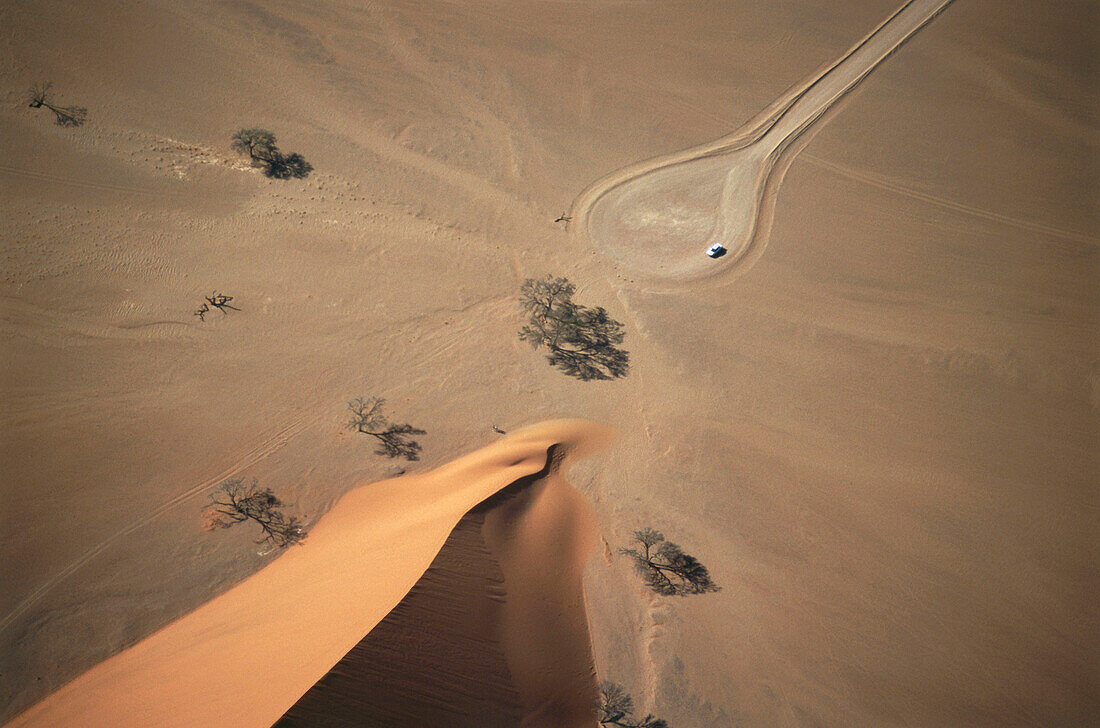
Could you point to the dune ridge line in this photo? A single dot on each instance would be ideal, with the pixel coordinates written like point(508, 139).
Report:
point(246, 656)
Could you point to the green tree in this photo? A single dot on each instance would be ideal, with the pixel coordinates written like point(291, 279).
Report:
point(259, 145)
point(580, 340)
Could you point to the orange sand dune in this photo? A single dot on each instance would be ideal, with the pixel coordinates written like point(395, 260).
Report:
point(493, 634)
point(245, 657)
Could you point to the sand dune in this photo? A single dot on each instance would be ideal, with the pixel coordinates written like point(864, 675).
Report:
point(245, 657)
point(880, 436)
point(493, 634)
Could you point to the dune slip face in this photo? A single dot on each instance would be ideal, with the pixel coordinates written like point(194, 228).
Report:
point(493, 634)
point(656, 217)
point(246, 657)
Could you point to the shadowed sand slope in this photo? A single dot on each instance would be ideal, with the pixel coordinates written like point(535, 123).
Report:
point(493, 634)
point(434, 660)
point(245, 657)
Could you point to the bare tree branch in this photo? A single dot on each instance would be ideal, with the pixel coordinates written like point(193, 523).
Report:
point(665, 568)
point(581, 341)
point(395, 440)
point(235, 502)
point(39, 97)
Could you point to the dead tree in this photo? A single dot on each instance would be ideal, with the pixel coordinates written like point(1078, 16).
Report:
point(665, 568)
point(220, 302)
point(215, 300)
point(614, 706)
point(64, 115)
point(394, 440)
point(236, 502)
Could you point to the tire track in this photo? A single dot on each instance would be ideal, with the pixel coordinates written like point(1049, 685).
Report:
point(757, 151)
point(895, 186)
point(265, 448)
point(258, 453)
point(45, 177)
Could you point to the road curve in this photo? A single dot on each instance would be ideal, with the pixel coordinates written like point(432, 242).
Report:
point(658, 215)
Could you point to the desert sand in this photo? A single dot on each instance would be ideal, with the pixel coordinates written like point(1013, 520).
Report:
point(243, 658)
point(875, 421)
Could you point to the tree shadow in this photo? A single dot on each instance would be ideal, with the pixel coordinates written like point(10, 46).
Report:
point(581, 341)
point(280, 166)
point(615, 707)
point(63, 115)
point(394, 440)
point(665, 568)
point(259, 145)
point(237, 502)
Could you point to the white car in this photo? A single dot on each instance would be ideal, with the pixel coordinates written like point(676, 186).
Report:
point(716, 251)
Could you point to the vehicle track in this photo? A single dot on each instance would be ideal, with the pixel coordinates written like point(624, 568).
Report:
point(755, 151)
point(44, 177)
point(265, 448)
point(892, 185)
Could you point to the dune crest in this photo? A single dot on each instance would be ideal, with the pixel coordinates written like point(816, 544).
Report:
point(245, 657)
point(494, 634)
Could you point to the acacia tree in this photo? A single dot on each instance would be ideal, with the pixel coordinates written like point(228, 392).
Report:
point(615, 707)
point(395, 440)
point(40, 97)
point(581, 341)
point(236, 502)
point(259, 145)
point(665, 568)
